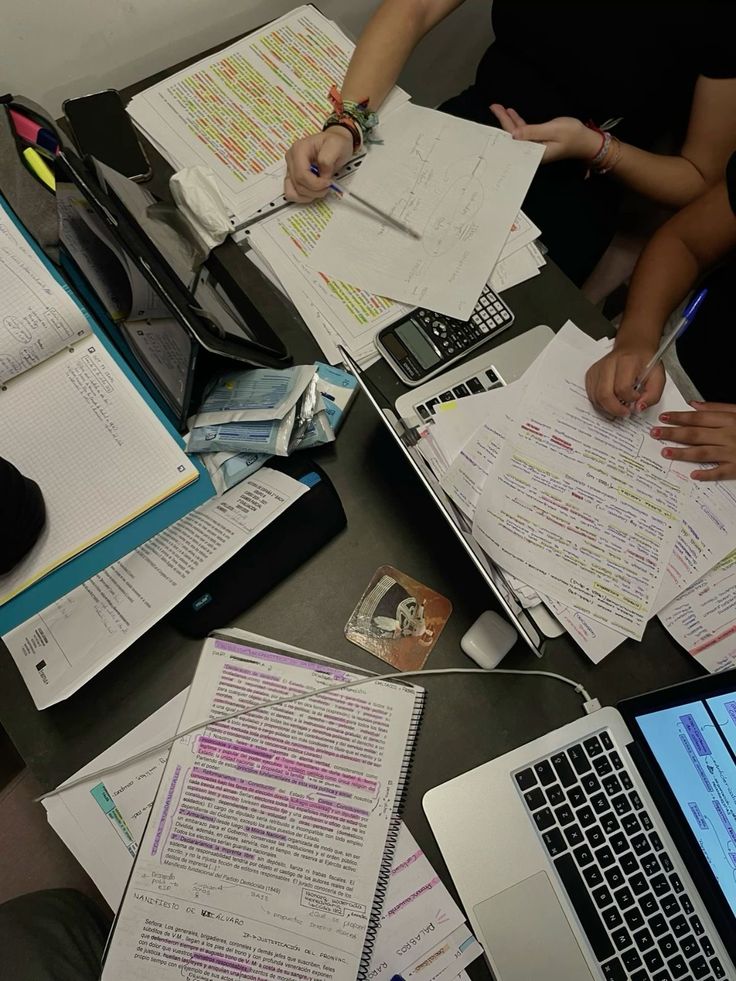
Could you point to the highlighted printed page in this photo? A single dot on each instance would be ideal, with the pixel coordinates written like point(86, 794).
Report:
point(240, 110)
point(335, 312)
point(268, 832)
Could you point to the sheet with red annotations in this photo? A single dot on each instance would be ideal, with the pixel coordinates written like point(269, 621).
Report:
point(271, 837)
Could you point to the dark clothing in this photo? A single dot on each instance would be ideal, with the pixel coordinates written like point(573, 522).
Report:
point(56, 935)
point(638, 59)
point(23, 515)
point(707, 350)
point(596, 60)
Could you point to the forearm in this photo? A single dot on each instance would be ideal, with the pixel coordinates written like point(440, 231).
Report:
point(664, 275)
point(670, 181)
point(685, 247)
point(386, 43)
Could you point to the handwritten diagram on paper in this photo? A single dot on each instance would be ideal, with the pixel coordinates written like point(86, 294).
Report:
point(335, 312)
point(458, 184)
point(37, 315)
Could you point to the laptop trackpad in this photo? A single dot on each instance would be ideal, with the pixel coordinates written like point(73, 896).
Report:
point(527, 934)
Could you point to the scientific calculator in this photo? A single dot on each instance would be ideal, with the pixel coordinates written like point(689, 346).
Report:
point(424, 343)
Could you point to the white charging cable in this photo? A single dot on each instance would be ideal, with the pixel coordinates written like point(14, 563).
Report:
point(589, 705)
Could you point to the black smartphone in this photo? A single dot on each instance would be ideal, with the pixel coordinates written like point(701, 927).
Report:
point(102, 129)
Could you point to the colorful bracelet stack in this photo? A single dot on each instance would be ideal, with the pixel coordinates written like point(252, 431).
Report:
point(608, 154)
point(355, 117)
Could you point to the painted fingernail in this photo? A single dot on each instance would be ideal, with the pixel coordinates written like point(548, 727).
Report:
point(667, 452)
point(641, 406)
point(655, 432)
point(664, 416)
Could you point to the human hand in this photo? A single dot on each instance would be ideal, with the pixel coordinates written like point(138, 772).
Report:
point(709, 433)
point(610, 381)
point(562, 138)
point(329, 151)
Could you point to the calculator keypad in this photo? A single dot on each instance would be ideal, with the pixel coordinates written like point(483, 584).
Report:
point(452, 338)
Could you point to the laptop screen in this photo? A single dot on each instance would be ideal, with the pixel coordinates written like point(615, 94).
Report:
point(694, 745)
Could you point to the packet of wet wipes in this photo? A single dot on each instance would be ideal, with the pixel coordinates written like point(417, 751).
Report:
point(228, 469)
point(256, 395)
point(272, 437)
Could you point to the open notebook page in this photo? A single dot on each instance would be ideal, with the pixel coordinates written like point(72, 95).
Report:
point(38, 317)
point(77, 426)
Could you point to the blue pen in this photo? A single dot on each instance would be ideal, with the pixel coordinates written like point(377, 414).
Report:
point(397, 977)
point(343, 192)
point(685, 320)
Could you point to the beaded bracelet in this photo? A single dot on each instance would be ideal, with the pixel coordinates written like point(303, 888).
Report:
point(605, 167)
point(356, 117)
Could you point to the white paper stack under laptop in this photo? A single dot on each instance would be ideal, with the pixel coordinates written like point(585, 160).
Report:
point(587, 513)
point(239, 110)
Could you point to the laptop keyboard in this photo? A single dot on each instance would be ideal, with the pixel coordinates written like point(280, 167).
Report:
point(629, 899)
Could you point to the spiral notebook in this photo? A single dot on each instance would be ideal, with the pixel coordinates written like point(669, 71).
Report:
point(269, 846)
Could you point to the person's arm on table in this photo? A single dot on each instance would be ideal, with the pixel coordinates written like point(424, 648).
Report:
point(382, 50)
point(682, 249)
point(672, 181)
point(677, 255)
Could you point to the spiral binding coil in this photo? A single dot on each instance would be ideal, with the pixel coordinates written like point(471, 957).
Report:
point(392, 837)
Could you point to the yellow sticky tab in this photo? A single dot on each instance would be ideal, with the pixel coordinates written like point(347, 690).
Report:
point(444, 406)
point(40, 168)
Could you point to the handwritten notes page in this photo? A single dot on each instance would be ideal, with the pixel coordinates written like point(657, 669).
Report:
point(457, 183)
point(38, 316)
point(77, 426)
point(703, 618)
point(69, 642)
point(239, 110)
point(584, 509)
point(422, 933)
point(268, 834)
point(335, 312)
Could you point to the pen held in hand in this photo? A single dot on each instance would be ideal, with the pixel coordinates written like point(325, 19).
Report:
point(344, 192)
point(685, 320)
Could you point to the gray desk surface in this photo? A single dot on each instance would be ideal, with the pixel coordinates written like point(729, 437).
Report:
point(467, 720)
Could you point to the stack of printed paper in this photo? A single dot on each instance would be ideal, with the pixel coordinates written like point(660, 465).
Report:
point(422, 934)
point(238, 111)
point(337, 312)
point(587, 513)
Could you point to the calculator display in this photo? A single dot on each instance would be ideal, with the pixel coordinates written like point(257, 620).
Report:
point(417, 344)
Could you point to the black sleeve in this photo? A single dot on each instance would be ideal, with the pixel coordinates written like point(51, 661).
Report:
point(718, 39)
point(731, 181)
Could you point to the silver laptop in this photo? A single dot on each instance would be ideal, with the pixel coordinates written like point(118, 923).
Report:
point(606, 849)
point(403, 414)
